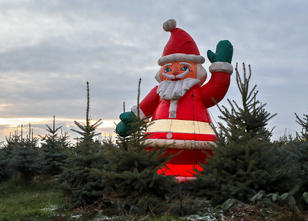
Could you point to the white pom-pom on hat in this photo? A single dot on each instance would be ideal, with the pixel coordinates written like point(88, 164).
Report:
point(169, 25)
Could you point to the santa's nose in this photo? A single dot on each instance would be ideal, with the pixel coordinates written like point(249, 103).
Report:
point(176, 72)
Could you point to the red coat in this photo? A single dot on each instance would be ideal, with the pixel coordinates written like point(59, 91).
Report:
point(190, 132)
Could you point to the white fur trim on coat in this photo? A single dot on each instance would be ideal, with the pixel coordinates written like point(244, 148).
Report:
point(181, 57)
point(181, 144)
point(182, 179)
point(221, 67)
point(134, 110)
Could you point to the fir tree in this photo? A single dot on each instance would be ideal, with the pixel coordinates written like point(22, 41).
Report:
point(55, 150)
point(244, 161)
point(297, 152)
point(250, 117)
point(81, 180)
point(131, 180)
point(24, 155)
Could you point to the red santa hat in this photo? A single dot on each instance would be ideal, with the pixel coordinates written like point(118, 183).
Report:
point(180, 47)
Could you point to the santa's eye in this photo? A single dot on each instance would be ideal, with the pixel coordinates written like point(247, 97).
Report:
point(184, 68)
point(167, 70)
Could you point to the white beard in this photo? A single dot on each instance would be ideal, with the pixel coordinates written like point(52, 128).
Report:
point(174, 90)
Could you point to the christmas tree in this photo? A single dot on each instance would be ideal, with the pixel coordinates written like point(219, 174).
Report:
point(55, 150)
point(23, 155)
point(81, 179)
point(250, 117)
point(244, 161)
point(131, 180)
point(297, 151)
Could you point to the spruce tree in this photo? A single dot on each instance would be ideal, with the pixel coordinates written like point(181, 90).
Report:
point(297, 152)
point(131, 180)
point(244, 161)
point(249, 117)
point(55, 150)
point(24, 156)
point(81, 179)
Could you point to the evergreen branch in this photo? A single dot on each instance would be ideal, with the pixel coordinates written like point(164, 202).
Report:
point(77, 131)
point(54, 130)
point(82, 127)
point(97, 123)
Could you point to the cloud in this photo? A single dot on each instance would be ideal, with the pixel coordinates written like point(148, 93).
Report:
point(48, 50)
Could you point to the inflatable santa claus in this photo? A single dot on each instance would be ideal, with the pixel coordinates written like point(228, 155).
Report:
point(178, 105)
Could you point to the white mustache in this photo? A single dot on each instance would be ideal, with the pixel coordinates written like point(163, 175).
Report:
point(169, 76)
point(179, 76)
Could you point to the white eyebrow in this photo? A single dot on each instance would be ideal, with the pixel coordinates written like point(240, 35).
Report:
point(167, 65)
point(185, 63)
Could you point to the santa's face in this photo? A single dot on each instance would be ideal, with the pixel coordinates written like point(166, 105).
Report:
point(178, 70)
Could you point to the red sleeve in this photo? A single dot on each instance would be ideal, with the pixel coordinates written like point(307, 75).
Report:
point(150, 102)
point(215, 89)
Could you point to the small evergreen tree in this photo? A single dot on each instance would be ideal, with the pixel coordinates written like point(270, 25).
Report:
point(6, 155)
point(55, 150)
point(244, 161)
point(250, 117)
point(131, 180)
point(24, 157)
point(81, 180)
point(298, 157)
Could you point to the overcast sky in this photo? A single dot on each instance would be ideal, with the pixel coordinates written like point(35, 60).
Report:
point(49, 49)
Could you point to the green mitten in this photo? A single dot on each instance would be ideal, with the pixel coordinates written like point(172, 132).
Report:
point(224, 52)
point(128, 117)
point(123, 128)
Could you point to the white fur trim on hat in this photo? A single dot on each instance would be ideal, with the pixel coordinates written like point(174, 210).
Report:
point(169, 25)
point(135, 111)
point(221, 67)
point(181, 57)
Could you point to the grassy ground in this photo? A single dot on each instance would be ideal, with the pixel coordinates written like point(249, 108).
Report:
point(41, 201)
point(21, 201)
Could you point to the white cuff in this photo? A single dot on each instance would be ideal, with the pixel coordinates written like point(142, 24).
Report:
point(221, 67)
point(141, 114)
